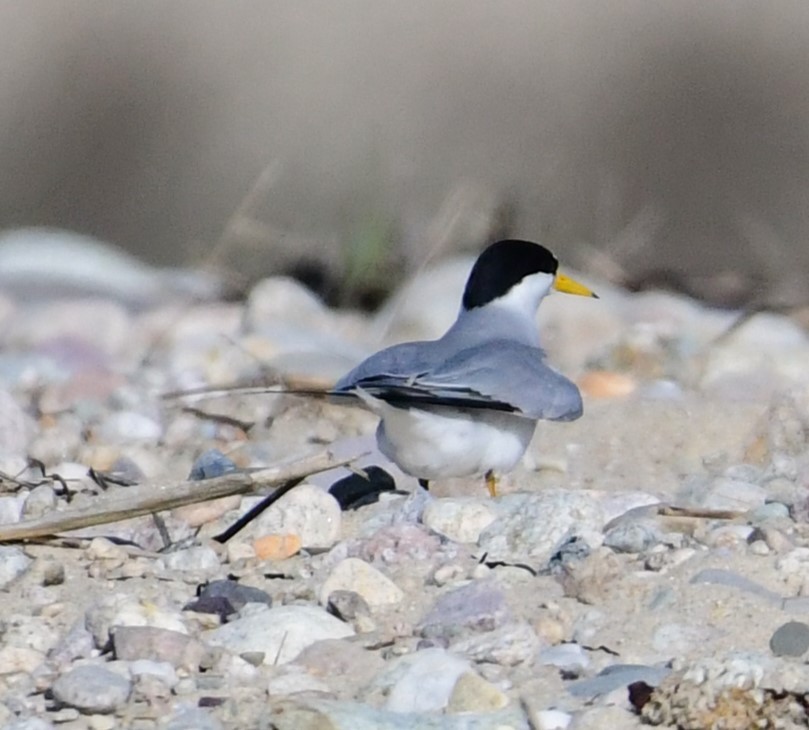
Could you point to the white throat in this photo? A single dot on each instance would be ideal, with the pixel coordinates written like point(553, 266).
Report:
point(513, 315)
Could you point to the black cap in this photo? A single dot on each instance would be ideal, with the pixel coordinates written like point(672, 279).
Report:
point(501, 266)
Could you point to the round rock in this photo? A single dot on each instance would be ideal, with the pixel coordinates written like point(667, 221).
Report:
point(93, 690)
point(353, 574)
point(13, 563)
point(281, 633)
point(307, 511)
point(460, 520)
point(790, 639)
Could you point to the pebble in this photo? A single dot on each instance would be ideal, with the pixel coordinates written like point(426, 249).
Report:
point(210, 464)
point(342, 661)
point(92, 689)
point(617, 676)
point(14, 659)
point(29, 723)
point(192, 718)
point(281, 633)
point(734, 494)
point(276, 547)
point(633, 536)
point(478, 606)
point(347, 605)
point(294, 683)
point(40, 501)
point(472, 693)
point(162, 671)
point(13, 563)
point(552, 720)
point(11, 509)
point(132, 643)
point(507, 645)
point(307, 511)
point(201, 560)
point(426, 682)
point(790, 639)
point(16, 427)
point(226, 597)
point(357, 576)
point(530, 527)
point(120, 609)
point(460, 520)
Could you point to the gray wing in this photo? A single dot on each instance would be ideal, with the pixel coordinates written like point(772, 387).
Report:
point(499, 375)
point(407, 359)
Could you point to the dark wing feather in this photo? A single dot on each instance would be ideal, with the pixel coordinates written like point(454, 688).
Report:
point(499, 375)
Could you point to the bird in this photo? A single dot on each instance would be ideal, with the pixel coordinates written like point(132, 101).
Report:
point(467, 403)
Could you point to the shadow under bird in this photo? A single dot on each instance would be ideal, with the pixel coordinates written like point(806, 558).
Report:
point(468, 403)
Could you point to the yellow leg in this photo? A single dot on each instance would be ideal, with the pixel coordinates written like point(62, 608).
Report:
point(491, 483)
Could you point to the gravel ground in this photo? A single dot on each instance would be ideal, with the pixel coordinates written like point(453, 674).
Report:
point(660, 543)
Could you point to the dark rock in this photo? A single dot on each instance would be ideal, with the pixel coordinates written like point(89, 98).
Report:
point(790, 639)
point(355, 490)
point(210, 464)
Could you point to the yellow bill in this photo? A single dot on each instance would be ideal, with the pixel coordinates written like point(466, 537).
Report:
point(571, 286)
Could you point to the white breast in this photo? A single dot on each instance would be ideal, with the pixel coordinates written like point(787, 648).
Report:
point(447, 442)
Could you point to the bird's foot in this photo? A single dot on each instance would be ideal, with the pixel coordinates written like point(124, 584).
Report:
point(491, 483)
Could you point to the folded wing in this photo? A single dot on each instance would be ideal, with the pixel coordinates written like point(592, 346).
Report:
point(498, 375)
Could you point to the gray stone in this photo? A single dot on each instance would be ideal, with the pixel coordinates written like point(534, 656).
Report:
point(632, 536)
point(472, 693)
point(41, 500)
point(531, 526)
point(209, 464)
point(477, 606)
point(226, 597)
point(616, 676)
point(790, 639)
point(341, 660)
point(13, 563)
point(131, 643)
point(92, 689)
point(17, 428)
point(357, 576)
point(162, 671)
point(11, 508)
point(460, 519)
point(769, 511)
point(347, 605)
point(191, 718)
point(733, 494)
point(202, 560)
point(30, 723)
point(426, 682)
point(507, 645)
point(281, 633)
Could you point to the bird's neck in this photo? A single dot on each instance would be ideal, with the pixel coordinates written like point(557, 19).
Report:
point(496, 321)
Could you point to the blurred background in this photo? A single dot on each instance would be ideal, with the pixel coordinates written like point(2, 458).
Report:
point(347, 142)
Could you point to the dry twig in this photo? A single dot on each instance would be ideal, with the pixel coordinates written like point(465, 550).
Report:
point(157, 496)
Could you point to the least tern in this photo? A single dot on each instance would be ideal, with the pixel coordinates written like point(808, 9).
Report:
point(468, 403)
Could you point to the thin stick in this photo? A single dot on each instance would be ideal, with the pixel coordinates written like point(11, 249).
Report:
point(158, 496)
